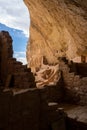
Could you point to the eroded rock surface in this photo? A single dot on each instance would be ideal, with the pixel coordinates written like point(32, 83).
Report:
point(58, 28)
point(48, 75)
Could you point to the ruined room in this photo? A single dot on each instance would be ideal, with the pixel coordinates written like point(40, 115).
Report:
point(50, 91)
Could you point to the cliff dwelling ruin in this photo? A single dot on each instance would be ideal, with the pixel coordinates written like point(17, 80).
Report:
point(50, 92)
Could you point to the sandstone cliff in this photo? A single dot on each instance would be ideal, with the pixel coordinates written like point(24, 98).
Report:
point(57, 28)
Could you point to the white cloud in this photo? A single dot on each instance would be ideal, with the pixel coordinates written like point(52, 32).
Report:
point(14, 14)
point(23, 60)
point(21, 56)
point(21, 52)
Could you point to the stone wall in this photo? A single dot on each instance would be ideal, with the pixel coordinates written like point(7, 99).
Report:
point(19, 110)
point(28, 109)
point(79, 68)
point(75, 85)
point(55, 93)
point(22, 77)
point(12, 72)
point(6, 52)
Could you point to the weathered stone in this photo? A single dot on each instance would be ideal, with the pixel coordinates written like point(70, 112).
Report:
point(58, 28)
point(75, 85)
point(12, 72)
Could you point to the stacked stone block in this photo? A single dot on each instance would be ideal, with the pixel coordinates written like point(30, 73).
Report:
point(12, 72)
point(75, 85)
point(55, 93)
point(23, 77)
point(19, 111)
point(27, 109)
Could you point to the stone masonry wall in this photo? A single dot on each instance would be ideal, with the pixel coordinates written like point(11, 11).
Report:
point(12, 72)
point(28, 110)
point(75, 86)
point(5, 53)
point(21, 110)
point(55, 93)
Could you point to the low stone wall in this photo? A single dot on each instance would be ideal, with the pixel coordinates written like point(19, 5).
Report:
point(27, 109)
point(23, 110)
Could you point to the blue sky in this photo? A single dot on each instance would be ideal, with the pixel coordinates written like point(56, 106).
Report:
point(14, 17)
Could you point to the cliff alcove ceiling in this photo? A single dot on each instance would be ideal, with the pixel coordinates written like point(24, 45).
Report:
point(58, 28)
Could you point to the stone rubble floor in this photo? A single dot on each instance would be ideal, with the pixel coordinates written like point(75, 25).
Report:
point(75, 112)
